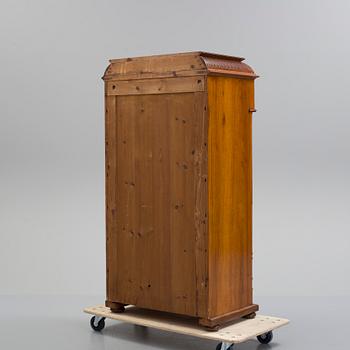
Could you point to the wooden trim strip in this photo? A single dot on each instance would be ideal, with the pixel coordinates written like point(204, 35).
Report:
point(154, 75)
point(155, 86)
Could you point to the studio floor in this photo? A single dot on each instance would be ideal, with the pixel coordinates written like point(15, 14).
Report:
point(57, 322)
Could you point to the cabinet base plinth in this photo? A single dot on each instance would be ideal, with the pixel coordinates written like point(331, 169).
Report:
point(214, 323)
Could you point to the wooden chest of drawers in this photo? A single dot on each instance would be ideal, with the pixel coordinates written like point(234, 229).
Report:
point(179, 185)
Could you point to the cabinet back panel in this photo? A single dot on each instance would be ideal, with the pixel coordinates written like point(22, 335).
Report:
point(156, 201)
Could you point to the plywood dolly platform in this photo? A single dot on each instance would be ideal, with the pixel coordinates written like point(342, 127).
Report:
point(237, 332)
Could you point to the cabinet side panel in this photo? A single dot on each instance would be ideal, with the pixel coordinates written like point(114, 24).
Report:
point(159, 220)
point(230, 193)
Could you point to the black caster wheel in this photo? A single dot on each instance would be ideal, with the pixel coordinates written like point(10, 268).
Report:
point(100, 325)
point(218, 347)
point(265, 338)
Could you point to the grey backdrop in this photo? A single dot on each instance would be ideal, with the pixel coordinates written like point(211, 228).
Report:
point(52, 55)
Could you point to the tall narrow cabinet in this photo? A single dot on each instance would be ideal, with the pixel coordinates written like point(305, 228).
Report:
point(179, 185)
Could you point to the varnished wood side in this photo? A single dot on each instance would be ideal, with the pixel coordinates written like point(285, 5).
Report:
point(230, 194)
point(156, 201)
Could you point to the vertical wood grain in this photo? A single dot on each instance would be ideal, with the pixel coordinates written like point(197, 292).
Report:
point(157, 241)
point(230, 194)
point(111, 181)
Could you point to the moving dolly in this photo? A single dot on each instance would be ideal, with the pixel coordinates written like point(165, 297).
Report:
point(240, 331)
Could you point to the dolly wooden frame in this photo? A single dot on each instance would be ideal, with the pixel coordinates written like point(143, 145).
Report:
point(238, 332)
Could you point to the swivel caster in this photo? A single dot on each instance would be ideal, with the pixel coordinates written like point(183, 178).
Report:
point(97, 323)
point(224, 346)
point(265, 338)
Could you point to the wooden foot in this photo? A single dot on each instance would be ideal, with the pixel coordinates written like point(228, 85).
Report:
point(212, 328)
point(115, 306)
point(250, 316)
point(119, 309)
point(214, 323)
